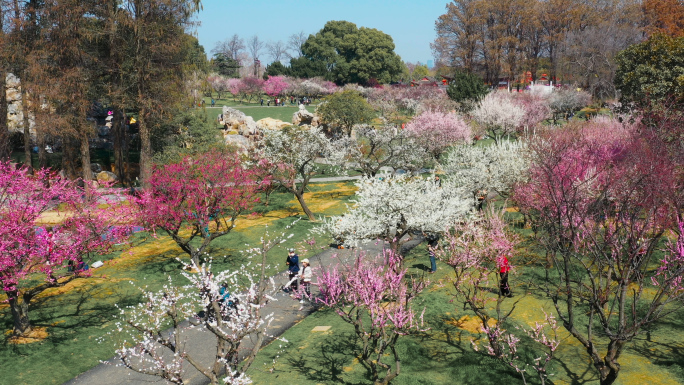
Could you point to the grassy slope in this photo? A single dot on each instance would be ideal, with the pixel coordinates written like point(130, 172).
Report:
point(443, 355)
point(77, 316)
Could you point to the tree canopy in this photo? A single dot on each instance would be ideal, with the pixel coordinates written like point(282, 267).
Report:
point(652, 70)
point(351, 54)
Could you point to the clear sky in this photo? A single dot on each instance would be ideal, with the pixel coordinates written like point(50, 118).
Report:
point(411, 23)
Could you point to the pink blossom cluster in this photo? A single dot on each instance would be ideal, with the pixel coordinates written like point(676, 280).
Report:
point(436, 131)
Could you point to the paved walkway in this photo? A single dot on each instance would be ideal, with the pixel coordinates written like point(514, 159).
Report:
point(286, 310)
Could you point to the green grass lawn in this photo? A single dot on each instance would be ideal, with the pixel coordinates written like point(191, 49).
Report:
point(444, 355)
point(77, 318)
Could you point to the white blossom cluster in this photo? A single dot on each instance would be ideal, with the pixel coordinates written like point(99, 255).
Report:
point(494, 168)
point(228, 304)
point(384, 147)
point(389, 207)
point(498, 115)
point(300, 147)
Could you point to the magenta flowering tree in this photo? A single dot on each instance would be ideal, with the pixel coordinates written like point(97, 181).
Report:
point(251, 88)
point(602, 197)
point(198, 199)
point(85, 223)
point(374, 295)
point(436, 131)
point(275, 86)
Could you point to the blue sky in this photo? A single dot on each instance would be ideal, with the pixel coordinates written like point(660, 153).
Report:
point(411, 23)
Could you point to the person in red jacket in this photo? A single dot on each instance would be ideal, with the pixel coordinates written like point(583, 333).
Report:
point(504, 268)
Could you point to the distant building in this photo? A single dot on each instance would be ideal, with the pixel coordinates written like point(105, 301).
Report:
point(430, 64)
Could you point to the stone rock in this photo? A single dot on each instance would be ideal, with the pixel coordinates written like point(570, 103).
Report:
point(302, 116)
point(271, 124)
point(237, 140)
point(106, 177)
point(95, 167)
point(232, 117)
point(13, 94)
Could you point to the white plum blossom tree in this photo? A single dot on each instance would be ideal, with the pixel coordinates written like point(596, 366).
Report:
point(498, 115)
point(153, 334)
point(496, 168)
point(297, 149)
point(374, 148)
point(390, 207)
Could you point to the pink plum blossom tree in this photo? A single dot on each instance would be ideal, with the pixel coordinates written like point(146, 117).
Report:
point(235, 87)
point(375, 296)
point(85, 223)
point(275, 86)
point(436, 131)
point(603, 195)
point(198, 199)
point(475, 248)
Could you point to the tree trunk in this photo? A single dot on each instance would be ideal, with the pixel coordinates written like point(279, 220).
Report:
point(42, 154)
point(307, 211)
point(28, 161)
point(20, 316)
point(85, 158)
point(145, 148)
point(5, 149)
point(69, 157)
point(118, 136)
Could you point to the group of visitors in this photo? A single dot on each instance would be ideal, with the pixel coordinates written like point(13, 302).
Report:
point(297, 275)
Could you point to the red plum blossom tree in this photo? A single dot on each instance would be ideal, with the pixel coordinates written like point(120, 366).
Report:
point(603, 195)
point(32, 246)
point(198, 199)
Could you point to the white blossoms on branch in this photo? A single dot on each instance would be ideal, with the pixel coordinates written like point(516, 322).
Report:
point(389, 207)
point(494, 168)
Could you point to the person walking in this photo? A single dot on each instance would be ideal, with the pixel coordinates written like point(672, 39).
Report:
point(292, 262)
point(504, 268)
point(213, 102)
point(305, 275)
point(433, 241)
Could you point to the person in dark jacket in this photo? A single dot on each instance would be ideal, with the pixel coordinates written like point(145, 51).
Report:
point(292, 262)
point(432, 241)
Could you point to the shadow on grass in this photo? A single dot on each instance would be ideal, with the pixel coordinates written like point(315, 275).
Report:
point(326, 363)
point(91, 305)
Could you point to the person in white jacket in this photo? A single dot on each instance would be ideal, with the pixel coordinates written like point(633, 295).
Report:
point(305, 274)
